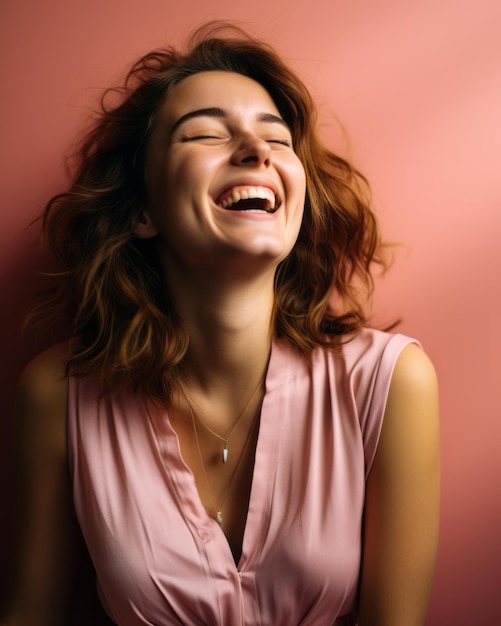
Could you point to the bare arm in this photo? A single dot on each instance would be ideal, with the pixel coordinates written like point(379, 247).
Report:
point(49, 539)
point(402, 500)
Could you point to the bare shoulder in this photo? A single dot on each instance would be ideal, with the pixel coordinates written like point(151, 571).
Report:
point(41, 399)
point(413, 371)
point(402, 499)
point(48, 543)
point(46, 372)
point(411, 420)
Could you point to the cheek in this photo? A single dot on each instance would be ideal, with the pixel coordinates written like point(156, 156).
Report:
point(187, 179)
point(166, 187)
point(299, 182)
point(296, 175)
point(297, 178)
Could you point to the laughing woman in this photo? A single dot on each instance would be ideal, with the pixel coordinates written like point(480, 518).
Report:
point(227, 445)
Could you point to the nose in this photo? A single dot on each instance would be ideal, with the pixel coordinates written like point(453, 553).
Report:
point(252, 150)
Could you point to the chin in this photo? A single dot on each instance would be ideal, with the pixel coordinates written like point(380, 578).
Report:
point(266, 248)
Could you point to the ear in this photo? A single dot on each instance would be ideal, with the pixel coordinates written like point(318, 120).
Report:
point(143, 226)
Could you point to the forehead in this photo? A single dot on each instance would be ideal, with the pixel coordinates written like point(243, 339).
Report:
point(227, 90)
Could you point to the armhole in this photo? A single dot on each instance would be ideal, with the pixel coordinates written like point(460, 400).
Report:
point(379, 396)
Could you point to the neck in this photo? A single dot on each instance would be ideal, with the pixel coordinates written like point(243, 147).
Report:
point(229, 324)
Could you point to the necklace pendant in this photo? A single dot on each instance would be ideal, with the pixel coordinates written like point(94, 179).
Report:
point(219, 517)
point(225, 453)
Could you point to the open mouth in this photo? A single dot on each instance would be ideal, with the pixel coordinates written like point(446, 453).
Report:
point(247, 198)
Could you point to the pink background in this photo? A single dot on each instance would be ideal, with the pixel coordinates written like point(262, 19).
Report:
point(417, 85)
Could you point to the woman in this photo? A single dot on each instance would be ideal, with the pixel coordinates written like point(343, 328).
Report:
point(241, 448)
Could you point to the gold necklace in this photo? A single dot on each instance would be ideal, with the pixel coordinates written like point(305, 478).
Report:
point(226, 438)
point(219, 506)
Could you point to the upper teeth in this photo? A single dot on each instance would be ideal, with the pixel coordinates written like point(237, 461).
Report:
point(248, 193)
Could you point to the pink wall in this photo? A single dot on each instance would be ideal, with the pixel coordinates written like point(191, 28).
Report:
point(418, 87)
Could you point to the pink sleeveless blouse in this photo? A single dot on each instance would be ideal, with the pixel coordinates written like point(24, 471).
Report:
point(160, 559)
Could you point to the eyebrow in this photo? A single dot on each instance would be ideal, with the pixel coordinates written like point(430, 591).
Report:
point(217, 112)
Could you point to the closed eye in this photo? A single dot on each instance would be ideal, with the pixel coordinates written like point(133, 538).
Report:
point(282, 142)
point(197, 137)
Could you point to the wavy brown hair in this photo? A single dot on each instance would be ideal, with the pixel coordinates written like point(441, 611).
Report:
point(109, 282)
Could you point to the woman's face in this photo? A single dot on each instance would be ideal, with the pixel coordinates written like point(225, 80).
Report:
point(224, 181)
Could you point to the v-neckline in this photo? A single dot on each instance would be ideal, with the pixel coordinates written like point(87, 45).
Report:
point(183, 481)
point(265, 462)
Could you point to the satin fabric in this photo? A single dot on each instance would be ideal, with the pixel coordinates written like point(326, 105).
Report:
point(161, 560)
